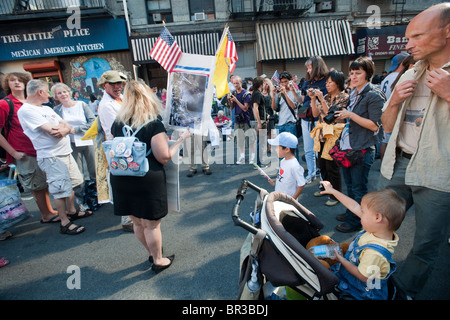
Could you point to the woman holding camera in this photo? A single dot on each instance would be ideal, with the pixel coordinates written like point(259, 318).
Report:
point(361, 133)
point(316, 71)
point(325, 133)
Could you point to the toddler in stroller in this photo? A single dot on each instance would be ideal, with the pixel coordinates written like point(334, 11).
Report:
point(280, 231)
point(278, 255)
point(365, 270)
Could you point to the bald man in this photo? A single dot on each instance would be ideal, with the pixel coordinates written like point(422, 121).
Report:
point(417, 159)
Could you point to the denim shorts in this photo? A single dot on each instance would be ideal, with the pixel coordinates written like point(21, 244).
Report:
point(62, 175)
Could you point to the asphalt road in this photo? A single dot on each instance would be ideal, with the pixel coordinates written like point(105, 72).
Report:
point(110, 264)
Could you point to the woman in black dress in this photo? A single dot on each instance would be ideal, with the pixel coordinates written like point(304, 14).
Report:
point(144, 199)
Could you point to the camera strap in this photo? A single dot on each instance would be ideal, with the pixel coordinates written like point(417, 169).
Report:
point(290, 109)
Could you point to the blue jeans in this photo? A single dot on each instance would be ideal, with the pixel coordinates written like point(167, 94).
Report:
point(292, 128)
point(356, 178)
point(308, 145)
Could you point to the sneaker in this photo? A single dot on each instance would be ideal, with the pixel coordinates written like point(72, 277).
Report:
point(241, 161)
point(331, 202)
point(252, 159)
point(318, 194)
point(310, 179)
point(207, 171)
point(191, 173)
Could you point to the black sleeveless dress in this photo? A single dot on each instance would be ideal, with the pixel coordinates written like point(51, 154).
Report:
point(143, 197)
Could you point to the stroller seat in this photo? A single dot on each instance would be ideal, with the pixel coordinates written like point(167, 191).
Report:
point(283, 258)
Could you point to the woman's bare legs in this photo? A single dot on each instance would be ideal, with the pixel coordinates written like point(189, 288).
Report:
point(148, 232)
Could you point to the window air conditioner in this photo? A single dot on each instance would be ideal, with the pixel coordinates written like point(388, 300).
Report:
point(325, 6)
point(199, 16)
point(157, 17)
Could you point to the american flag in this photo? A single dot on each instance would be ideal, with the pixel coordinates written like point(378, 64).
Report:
point(230, 52)
point(166, 50)
point(276, 77)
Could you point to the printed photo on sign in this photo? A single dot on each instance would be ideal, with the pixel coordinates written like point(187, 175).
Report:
point(187, 99)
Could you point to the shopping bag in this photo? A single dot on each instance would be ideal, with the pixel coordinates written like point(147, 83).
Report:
point(12, 210)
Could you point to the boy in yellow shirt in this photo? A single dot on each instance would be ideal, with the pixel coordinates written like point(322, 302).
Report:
point(367, 265)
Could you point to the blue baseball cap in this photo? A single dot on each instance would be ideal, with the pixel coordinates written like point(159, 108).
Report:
point(397, 60)
point(284, 139)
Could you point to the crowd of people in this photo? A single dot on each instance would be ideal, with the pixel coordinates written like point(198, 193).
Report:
point(342, 122)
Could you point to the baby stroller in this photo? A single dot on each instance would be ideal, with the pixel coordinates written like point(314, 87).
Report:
point(277, 255)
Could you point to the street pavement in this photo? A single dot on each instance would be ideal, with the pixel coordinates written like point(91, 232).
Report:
point(106, 263)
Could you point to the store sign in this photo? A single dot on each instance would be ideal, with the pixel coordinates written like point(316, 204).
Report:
point(49, 40)
point(387, 41)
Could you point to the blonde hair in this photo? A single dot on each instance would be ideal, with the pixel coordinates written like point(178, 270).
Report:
point(389, 204)
point(139, 105)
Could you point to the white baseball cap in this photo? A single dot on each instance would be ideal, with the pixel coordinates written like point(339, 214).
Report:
point(284, 139)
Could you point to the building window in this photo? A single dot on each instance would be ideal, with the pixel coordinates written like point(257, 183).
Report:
point(202, 10)
point(159, 11)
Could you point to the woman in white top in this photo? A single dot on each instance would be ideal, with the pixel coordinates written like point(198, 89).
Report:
point(79, 115)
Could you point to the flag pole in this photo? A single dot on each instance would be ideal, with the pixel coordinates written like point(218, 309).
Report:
point(222, 38)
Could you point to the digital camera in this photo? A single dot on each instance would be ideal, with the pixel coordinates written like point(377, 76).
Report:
point(329, 118)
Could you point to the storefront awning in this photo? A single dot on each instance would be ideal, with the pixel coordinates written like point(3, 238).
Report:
point(291, 40)
point(195, 43)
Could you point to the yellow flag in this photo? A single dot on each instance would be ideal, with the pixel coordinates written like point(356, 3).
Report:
point(221, 72)
point(92, 132)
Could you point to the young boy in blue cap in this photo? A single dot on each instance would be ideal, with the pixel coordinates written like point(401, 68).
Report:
point(290, 179)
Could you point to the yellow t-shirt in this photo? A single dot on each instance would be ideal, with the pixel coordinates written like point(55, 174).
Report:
point(371, 261)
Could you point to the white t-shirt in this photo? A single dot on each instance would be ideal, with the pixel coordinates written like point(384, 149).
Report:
point(32, 118)
point(387, 83)
point(74, 116)
point(107, 111)
point(285, 115)
point(93, 106)
point(290, 176)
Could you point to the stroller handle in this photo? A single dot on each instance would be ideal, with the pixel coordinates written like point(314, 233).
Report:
point(242, 190)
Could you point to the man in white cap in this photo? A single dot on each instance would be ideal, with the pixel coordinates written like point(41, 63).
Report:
point(290, 179)
point(112, 82)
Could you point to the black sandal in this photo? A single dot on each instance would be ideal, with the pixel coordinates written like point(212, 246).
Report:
point(76, 215)
point(66, 229)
